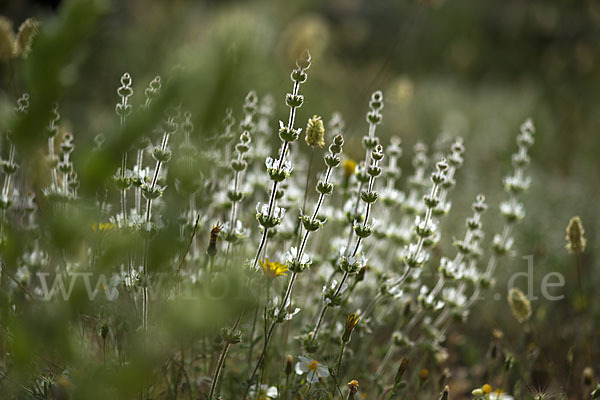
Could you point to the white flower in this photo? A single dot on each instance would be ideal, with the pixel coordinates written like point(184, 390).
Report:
point(513, 209)
point(291, 255)
point(411, 253)
point(313, 369)
point(23, 275)
point(396, 292)
point(262, 208)
point(286, 166)
point(264, 392)
point(471, 273)
point(287, 313)
point(328, 292)
point(279, 212)
point(239, 231)
point(453, 296)
point(391, 196)
point(425, 225)
point(427, 298)
point(269, 162)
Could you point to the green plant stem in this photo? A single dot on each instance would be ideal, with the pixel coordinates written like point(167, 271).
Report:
point(339, 364)
point(221, 361)
point(282, 155)
point(189, 244)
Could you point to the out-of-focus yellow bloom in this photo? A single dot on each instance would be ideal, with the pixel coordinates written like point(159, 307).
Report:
point(349, 166)
point(103, 227)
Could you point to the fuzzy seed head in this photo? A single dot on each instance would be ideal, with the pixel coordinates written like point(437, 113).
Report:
point(315, 132)
point(520, 306)
point(575, 236)
point(25, 36)
point(7, 38)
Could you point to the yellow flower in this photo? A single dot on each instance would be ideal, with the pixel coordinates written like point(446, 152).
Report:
point(351, 322)
point(349, 166)
point(353, 386)
point(484, 390)
point(273, 269)
point(102, 227)
point(487, 389)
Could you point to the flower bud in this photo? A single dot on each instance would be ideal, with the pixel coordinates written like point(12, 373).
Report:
point(353, 386)
point(289, 365)
point(401, 370)
point(351, 322)
point(588, 376)
point(303, 62)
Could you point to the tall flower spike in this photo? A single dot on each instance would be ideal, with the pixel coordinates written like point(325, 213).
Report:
point(280, 169)
point(297, 261)
point(9, 166)
point(239, 165)
point(424, 227)
point(367, 171)
point(124, 91)
point(152, 90)
point(348, 261)
point(373, 118)
point(512, 210)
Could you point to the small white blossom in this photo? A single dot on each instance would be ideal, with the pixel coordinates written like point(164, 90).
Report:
point(312, 368)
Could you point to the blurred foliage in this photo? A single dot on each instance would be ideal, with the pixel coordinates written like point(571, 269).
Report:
point(447, 67)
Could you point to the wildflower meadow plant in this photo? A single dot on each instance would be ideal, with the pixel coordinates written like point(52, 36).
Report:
point(292, 277)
